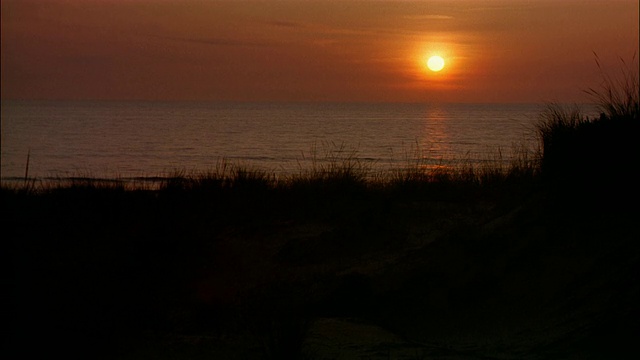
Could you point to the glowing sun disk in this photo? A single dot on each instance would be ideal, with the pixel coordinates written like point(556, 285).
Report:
point(435, 63)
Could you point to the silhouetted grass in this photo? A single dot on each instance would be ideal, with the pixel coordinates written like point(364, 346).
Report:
point(595, 155)
point(557, 132)
point(116, 261)
point(617, 96)
point(582, 150)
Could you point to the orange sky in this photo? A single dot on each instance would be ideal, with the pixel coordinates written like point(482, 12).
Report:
point(347, 50)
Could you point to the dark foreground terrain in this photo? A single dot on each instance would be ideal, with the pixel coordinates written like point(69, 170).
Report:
point(319, 270)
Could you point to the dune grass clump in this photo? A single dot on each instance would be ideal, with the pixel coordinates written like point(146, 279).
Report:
point(339, 173)
point(339, 169)
point(465, 178)
point(225, 176)
point(582, 153)
point(558, 133)
point(618, 96)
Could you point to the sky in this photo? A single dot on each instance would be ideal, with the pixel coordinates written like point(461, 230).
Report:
point(495, 51)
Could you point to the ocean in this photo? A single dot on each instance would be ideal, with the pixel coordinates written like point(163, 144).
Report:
point(155, 139)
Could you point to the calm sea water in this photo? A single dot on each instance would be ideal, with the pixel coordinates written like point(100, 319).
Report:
point(145, 139)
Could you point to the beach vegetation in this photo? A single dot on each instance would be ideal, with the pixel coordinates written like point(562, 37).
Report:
point(583, 154)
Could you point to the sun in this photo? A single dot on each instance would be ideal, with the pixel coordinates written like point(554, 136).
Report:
point(435, 63)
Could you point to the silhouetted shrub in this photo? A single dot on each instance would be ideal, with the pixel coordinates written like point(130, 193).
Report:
point(595, 154)
point(618, 97)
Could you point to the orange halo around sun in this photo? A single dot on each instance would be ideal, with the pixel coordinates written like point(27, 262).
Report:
point(435, 63)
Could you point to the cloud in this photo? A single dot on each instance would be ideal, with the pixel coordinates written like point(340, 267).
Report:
point(288, 24)
point(219, 41)
point(428, 17)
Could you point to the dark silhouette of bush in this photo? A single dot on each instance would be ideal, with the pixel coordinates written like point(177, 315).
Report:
point(594, 154)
